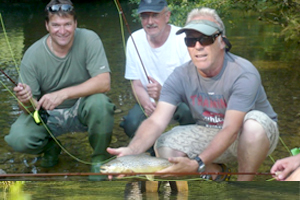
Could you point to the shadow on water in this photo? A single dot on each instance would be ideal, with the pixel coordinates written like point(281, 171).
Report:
point(255, 40)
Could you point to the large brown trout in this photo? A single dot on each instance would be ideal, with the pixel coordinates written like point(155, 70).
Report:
point(135, 163)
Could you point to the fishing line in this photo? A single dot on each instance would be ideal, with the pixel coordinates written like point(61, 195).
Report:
point(35, 115)
point(119, 7)
point(14, 60)
point(124, 48)
point(123, 39)
point(6, 38)
point(121, 14)
point(41, 121)
point(122, 27)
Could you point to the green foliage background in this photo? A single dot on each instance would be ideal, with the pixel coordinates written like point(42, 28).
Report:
point(285, 13)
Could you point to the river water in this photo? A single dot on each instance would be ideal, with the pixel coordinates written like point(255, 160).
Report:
point(258, 41)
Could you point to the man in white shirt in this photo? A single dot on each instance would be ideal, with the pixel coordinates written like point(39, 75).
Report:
point(157, 53)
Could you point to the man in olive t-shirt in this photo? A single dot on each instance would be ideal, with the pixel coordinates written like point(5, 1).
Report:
point(65, 73)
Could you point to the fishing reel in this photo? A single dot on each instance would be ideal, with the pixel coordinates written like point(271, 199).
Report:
point(40, 116)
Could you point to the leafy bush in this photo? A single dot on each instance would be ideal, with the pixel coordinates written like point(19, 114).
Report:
point(285, 13)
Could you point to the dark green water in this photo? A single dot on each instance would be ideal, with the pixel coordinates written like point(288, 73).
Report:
point(257, 41)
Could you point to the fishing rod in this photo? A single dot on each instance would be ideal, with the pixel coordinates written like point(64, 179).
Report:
point(38, 114)
point(8, 77)
point(40, 117)
point(137, 173)
point(130, 33)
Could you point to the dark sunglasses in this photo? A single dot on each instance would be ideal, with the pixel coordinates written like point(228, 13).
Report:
point(204, 40)
point(62, 7)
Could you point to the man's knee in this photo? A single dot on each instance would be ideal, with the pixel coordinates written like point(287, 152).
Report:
point(265, 126)
point(183, 115)
point(133, 120)
point(253, 131)
point(130, 125)
point(19, 143)
point(98, 104)
point(26, 137)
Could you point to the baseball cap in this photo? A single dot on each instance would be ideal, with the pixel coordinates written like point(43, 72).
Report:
point(205, 27)
point(152, 6)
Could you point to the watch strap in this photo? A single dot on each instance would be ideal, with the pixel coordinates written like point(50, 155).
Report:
point(201, 167)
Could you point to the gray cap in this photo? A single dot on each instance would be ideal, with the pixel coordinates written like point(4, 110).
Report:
point(152, 6)
point(205, 27)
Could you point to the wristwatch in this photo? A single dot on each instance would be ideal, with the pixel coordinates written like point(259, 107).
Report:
point(201, 164)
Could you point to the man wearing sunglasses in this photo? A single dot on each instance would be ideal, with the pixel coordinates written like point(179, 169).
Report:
point(65, 73)
point(158, 51)
point(235, 121)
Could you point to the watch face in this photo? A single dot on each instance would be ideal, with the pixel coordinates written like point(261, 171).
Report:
point(201, 168)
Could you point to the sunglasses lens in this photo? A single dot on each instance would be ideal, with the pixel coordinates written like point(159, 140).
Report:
point(62, 7)
point(66, 7)
point(190, 42)
point(54, 8)
point(207, 41)
point(204, 40)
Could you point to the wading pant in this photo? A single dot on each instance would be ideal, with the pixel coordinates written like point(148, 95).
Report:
point(136, 116)
point(93, 114)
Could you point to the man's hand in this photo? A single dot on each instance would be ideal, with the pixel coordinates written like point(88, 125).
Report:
point(23, 93)
point(154, 89)
point(285, 166)
point(149, 108)
point(122, 151)
point(181, 164)
point(51, 100)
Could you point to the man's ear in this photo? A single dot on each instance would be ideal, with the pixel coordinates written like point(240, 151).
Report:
point(168, 14)
point(75, 23)
point(47, 25)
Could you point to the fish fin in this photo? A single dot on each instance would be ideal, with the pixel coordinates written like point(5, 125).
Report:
point(150, 177)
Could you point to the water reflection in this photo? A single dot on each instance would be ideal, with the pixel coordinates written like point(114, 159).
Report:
point(198, 190)
point(255, 40)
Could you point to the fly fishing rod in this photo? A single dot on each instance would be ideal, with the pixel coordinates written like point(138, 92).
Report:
point(8, 77)
point(138, 173)
point(130, 33)
point(38, 115)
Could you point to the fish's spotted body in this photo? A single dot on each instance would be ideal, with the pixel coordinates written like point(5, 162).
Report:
point(135, 163)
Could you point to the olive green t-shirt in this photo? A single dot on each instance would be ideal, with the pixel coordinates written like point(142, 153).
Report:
point(45, 73)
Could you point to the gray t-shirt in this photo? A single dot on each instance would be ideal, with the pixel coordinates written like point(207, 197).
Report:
point(44, 72)
point(237, 87)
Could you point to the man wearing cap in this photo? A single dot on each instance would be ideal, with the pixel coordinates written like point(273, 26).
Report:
point(158, 51)
point(235, 121)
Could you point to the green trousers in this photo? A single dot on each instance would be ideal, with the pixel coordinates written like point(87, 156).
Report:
point(94, 113)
